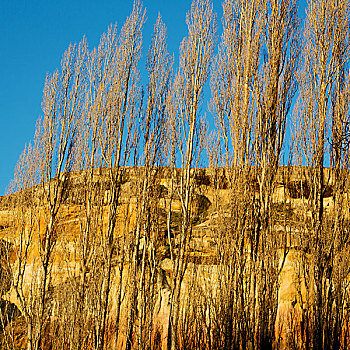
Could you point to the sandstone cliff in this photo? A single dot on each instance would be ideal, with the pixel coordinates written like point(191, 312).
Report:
point(22, 221)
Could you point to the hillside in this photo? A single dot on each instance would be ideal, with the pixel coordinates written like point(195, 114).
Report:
point(74, 265)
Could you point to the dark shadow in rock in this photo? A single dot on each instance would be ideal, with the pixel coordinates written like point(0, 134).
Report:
point(8, 313)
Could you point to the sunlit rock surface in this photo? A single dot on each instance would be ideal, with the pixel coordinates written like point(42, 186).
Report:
point(211, 187)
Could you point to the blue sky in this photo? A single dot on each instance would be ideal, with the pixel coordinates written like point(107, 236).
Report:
point(34, 35)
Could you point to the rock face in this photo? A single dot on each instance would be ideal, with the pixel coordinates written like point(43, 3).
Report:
point(211, 188)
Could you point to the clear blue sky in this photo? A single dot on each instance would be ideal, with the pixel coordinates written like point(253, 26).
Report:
point(34, 35)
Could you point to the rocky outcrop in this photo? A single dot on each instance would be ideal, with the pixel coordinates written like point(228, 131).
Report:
point(212, 186)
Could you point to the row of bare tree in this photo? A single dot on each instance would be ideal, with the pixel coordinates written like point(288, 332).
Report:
point(123, 273)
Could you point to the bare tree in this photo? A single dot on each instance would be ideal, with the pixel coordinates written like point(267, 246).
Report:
point(233, 85)
point(253, 86)
point(46, 163)
point(196, 54)
point(144, 262)
point(322, 114)
point(118, 138)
